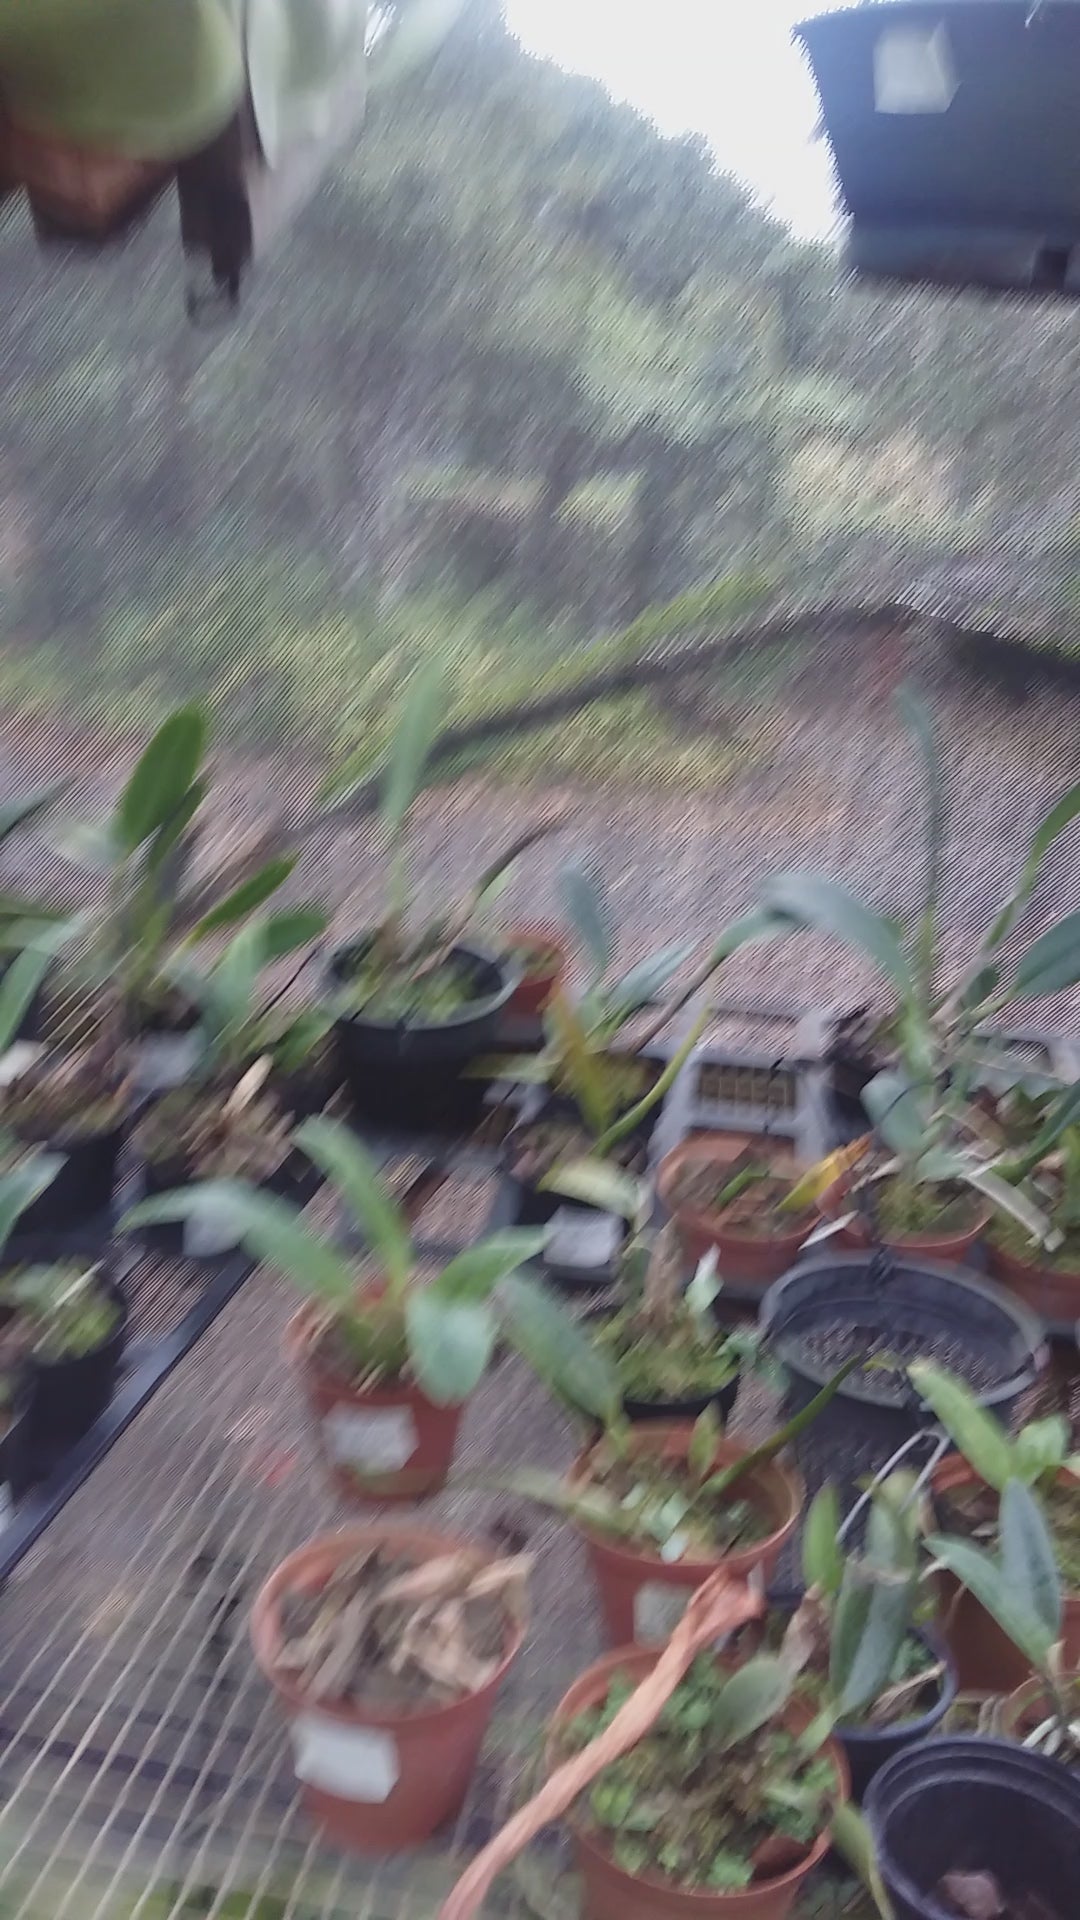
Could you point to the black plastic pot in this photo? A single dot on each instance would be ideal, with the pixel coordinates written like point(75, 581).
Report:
point(65, 1397)
point(869, 1749)
point(933, 1311)
point(82, 1190)
point(15, 1477)
point(407, 1076)
point(972, 181)
point(970, 1805)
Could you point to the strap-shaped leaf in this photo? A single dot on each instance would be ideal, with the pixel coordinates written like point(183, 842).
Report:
point(1051, 963)
point(824, 905)
point(244, 899)
point(268, 1227)
point(974, 1432)
point(559, 1350)
point(822, 1555)
point(161, 778)
point(1028, 1560)
point(645, 982)
point(870, 1623)
point(588, 909)
point(18, 986)
point(410, 749)
point(982, 1575)
point(596, 1183)
point(450, 1344)
point(917, 719)
point(22, 1185)
point(338, 1153)
point(474, 1273)
point(1041, 1447)
point(1059, 817)
point(899, 1111)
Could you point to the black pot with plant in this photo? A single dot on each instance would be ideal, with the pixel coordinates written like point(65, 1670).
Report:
point(65, 1334)
point(886, 1311)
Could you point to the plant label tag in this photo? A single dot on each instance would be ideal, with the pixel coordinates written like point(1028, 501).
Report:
point(380, 1439)
point(17, 1058)
point(164, 1060)
point(582, 1237)
point(357, 1763)
point(658, 1609)
point(206, 1235)
point(7, 1505)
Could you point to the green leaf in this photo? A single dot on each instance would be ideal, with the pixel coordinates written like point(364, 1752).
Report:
point(916, 717)
point(476, 1272)
point(899, 1112)
point(853, 1839)
point(981, 1574)
point(1041, 1447)
point(267, 1227)
point(161, 779)
point(1063, 1113)
point(645, 982)
point(974, 1432)
point(822, 1555)
point(827, 907)
point(582, 1069)
point(705, 1437)
point(596, 1183)
point(245, 898)
point(283, 933)
point(414, 737)
point(337, 1152)
point(1005, 1196)
point(22, 1185)
point(1028, 1561)
point(559, 1350)
point(586, 905)
point(167, 839)
point(18, 985)
point(754, 1695)
point(893, 1530)
point(1051, 963)
point(722, 1482)
point(450, 1344)
point(1059, 817)
point(870, 1623)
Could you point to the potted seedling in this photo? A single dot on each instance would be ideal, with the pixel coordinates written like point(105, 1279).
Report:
point(743, 1200)
point(388, 1360)
point(863, 1659)
point(687, 1786)
point(231, 1117)
point(417, 1003)
point(661, 1507)
point(671, 1358)
point(968, 1489)
point(936, 1173)
point(386, 1647)
point(1047, 1277)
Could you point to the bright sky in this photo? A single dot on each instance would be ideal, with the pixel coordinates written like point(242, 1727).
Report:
point(724, 68)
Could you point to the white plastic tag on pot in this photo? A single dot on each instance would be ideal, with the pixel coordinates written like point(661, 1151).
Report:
point(380, 1439)
point(17, 1058)
point(658, 1610)
point(913, 71)
point(356, 1763)
point(206, 1235)
point(7, 1505)
point(163, 1060)
point(582, 1237)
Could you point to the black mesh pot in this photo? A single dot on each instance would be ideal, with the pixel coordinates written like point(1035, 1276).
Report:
point(921, 1311)
point(975, 1805)
point(81, 1193)
point(65, 1397)
point(407, 1075)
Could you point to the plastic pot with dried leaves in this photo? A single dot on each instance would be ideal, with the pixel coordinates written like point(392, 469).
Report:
point(385, 1743)
point(720, 1198)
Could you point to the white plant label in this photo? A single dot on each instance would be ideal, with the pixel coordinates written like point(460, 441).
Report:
point(164, 1059)
point(204, 1236)
point(582, 1237)
point(7, 1505)
point(378, 1439)
point(356, 1763)
point(23, 1054)
point(658, 1610)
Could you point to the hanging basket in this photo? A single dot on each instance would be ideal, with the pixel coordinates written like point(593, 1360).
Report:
point(956, 139)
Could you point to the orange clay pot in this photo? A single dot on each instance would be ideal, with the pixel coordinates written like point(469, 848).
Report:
point(642, 1595)
point(986, 1660)
point(372, 1780)
point(613, 1894)
point(750, 1258)
point(1054, 1295)
point(384, 1444)
point(535, 989)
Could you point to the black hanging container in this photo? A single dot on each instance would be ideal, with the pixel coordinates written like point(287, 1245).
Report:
point(975, 1805)
point(918, 1311)
point(956, 139)
point(408, 1075)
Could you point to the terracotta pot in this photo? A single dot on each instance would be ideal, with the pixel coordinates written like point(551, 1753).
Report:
point(535, 989)
point(752, 1259)
point(613, 1894)
point(946, 1249)
point(1054, 1295)
point(383, 1445)
point(986, 1660)
point(374, 1780)
point(79, 190)
point(641, 1596)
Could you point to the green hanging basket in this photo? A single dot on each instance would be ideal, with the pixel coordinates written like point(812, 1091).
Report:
point(151, 79)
